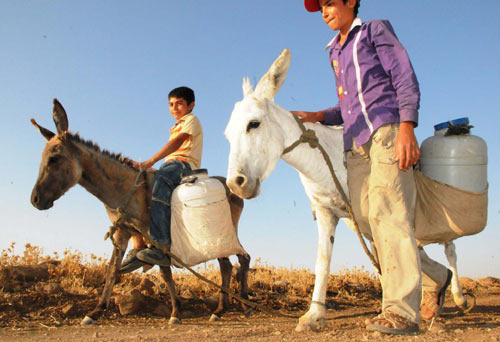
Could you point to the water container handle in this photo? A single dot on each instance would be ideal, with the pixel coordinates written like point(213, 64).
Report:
point(458, 129)
point(454, 127)
point(190, 180)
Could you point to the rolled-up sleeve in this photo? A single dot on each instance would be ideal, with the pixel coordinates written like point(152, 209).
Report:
point(397, 65)
point(332, 116)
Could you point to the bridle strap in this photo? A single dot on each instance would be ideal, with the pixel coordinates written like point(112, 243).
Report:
point(307, 136)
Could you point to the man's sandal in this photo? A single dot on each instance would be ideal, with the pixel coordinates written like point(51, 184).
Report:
point(390, 323)
point(432, 302)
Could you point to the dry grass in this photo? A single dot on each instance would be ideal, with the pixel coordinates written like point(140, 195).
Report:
point(78, 274)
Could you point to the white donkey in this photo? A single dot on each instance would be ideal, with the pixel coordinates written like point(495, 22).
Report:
point(258, 132)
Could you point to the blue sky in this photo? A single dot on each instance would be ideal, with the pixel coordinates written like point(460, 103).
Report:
point(112, 64)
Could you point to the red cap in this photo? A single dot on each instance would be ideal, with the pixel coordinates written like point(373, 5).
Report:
point(312, 5)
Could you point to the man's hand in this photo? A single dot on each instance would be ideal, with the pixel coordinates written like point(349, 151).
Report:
point(309, 116)
point(406, 145)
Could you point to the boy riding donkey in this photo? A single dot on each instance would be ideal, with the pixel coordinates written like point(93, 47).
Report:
point(378, 105)
point(182, 153)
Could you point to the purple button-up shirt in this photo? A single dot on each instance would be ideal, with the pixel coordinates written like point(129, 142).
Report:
point(376, 84)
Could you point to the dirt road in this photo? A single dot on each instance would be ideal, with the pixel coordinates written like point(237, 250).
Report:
point(344, 323)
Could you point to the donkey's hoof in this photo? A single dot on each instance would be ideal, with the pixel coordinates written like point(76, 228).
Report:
point(87, 321)
point(469, 304)
point(174, 320)
point(214, 318)
point(310, 325)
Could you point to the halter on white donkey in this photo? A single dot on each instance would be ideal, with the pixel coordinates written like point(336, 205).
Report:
point(258, 132)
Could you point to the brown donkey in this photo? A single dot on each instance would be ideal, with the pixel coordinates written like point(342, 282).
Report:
point(68, 160)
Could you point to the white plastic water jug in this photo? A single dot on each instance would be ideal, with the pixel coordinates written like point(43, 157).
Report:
point(455, 157)
point(201, 225)
point(197, 189)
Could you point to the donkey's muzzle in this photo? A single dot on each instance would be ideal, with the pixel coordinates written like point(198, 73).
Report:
point(243, 187)
point(39, 202)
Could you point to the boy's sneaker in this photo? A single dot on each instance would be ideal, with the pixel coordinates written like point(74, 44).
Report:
point(153, 256)
point(131, 263)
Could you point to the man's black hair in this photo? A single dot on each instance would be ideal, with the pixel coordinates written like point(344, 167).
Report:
point(356, 7)
point(183, 93)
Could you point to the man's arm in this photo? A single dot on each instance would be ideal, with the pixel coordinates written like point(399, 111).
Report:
point(309, 116)
point(330, 116)
point(172, 146)
point(397, 65)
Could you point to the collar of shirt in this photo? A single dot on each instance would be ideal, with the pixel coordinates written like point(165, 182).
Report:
point(356, 22)
point(181, 120)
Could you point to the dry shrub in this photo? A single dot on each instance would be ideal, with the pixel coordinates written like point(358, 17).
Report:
point(354, 282)
point(188, 283)
point(291, 281)
point(78, 275)
point(32, 255)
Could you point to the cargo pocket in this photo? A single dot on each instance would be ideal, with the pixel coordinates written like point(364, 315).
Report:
point(385, 169)
point(382, 148)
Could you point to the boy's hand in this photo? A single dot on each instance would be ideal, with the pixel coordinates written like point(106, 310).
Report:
point(145, 165)
point(309, 116)
point(406, 145)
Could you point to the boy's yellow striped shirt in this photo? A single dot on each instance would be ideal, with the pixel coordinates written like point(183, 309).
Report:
point(191, 149)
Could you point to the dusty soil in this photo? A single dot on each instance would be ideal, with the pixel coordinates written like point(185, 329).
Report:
point(29, 317)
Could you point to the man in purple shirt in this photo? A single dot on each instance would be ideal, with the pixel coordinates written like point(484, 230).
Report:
point(378, 105)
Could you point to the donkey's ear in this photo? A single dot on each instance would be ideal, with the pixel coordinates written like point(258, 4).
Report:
point(60, 117)
point(45, 132)
point(247, 87)
point(273, 79)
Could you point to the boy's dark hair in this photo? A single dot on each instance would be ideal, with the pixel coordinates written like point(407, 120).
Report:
point(183, 93)
point(356, 7)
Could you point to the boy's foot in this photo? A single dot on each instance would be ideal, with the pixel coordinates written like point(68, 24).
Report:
point(131, 263)
point(390, 323)
point(433, 302)
point(154, 256)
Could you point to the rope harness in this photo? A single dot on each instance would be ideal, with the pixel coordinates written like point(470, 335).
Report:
point(122, 214)
point(309, 136)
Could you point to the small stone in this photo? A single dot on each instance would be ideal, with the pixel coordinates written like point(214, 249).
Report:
point(131, 303)
point(146, 286)
point(282, 283)
point(68, 310)
point(277, 333)
point(47, 288)
point(162, 310)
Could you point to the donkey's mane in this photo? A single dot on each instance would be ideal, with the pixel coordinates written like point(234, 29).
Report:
point(75, 137)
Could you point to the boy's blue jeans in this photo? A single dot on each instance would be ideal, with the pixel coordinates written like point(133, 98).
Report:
point(164, 182)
